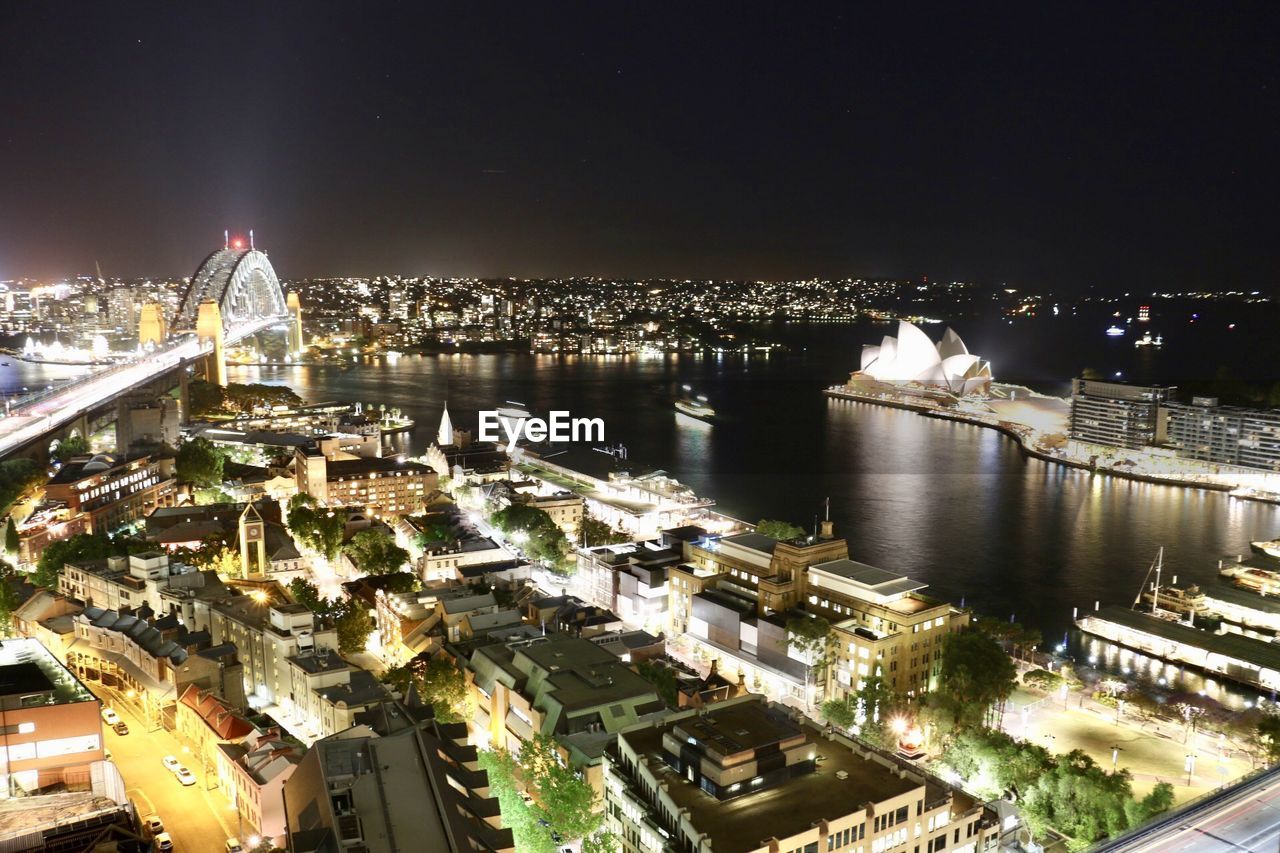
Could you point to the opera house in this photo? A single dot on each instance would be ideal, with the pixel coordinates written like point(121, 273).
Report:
point(912, 357)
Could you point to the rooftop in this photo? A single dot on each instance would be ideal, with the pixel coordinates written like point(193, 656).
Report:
point(754, 541)
point(1260, 653)
point(744, 822)
point(26, 666)
point(877, 581)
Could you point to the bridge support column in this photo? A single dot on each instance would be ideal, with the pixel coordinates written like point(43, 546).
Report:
point(295, 323)
point(209, 328)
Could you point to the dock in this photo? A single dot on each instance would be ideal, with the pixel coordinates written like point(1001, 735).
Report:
point(1245, 660)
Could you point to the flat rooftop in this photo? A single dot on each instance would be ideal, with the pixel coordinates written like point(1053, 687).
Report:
point(26, 666)
point(1260, 653)
point(754, 541)
point(743, 823)
point(874, 580)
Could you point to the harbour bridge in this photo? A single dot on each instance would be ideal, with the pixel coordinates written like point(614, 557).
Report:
point(233, 295)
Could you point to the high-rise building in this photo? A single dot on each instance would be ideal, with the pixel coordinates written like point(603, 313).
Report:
point(1117, 414)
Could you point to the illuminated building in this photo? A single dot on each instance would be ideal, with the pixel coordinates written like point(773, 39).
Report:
point(912, 357)
point(1117, 414)
point(752, 777)
point(385, 486)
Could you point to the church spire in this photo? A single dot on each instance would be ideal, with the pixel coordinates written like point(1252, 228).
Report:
point(445, 434)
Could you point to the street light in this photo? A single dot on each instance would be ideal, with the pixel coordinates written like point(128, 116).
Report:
point(1115, 757)
point(1190, 765)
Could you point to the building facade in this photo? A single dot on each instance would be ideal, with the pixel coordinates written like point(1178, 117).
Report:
point(1116, 414)
point(1223, 435)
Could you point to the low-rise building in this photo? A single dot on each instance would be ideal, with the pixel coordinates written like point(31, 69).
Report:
point(747, 776)
point(566, 687)
point(113, 491)
point(152, 661)
point(267, 635)
point(326, 693)
point(252, 775)
point(631, 580)
point(416, 788)
point(386, 486)
point(265, 546)
point(52, 723)
point(207, 722)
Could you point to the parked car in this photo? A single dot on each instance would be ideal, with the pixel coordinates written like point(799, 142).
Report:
point(110, 717)
point(185, 776)
point(154, 825)
point(233, 846)
point(171, 764)
point(121, 728)
point(163, 841)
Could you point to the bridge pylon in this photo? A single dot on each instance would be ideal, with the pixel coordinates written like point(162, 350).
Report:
point(294, 304)
point(151, 328)
point(209, 328)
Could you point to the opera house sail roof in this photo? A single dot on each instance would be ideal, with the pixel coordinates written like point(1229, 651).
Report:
point(912, 357)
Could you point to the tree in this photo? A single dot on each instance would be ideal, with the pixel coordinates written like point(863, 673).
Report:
point(401, 582)
point(842, 713)
point(321, 530)
point(663, 678)
point(11, 541)
point(307, 594)
point(375, 552)
point(563, 806)
point(1042, 679)
point(200, 462)
point(593, 531)
point(82, 546)
point(1269, 734)
point(9, 600)
point(432, 534)
point(16, 476)
point(69, 448)
point(205, 398)
point(875, 705)
point(534, 531)
point(224, 560)
point(438, 681)
point(779, 529)
point(354, 626)
point(975, 675)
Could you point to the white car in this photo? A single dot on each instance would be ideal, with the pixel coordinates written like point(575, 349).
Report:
point(110, 717)
point(163, 841)
point(154, 825)
point(171, 764)
point(233, 846)
point(185, 776)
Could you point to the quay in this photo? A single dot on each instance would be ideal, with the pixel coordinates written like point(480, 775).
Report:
point(1245, 660)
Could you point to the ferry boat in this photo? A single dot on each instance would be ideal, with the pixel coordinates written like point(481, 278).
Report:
point(1252, 578)
point(1115, 332)
point(1147, 341)
point(695, 407)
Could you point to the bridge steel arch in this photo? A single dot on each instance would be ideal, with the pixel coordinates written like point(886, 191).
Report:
point(243, 284)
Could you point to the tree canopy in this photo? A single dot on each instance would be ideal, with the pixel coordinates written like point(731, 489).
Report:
point(16, 476)
point(353, 624)
point(779, 529)
point(321, 530)
point(200, 462)
point(563, 805)
point(593, 531)
point(212, 400)
point(69, 448)
point(375, 552)
point(534, 532)
point(975, 675)
point(438, 681)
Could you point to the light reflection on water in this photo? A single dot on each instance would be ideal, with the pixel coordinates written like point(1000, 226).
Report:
point(954, 505)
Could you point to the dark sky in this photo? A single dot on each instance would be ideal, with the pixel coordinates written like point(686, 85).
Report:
point(1084, 146)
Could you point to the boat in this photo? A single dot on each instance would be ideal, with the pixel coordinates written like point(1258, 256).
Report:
point(1115, 332)
point(1148, 341)
point(695, 406)
point(1252, 578)
point(1271, 547)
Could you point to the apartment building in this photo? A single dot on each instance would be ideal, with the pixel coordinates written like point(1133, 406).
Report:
point(385, 486)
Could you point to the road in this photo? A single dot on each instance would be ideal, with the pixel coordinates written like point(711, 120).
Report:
point(198, 818)
point(1245, 820)
point(28, 422)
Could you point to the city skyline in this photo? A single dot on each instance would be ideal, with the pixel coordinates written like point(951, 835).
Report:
point(1049, 152)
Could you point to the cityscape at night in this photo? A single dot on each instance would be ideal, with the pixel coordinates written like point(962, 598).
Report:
point(639, 429)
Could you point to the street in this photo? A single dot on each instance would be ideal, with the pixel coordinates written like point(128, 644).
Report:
point(198, 819)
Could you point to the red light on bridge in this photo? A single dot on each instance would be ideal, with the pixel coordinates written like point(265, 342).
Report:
point(237, 243)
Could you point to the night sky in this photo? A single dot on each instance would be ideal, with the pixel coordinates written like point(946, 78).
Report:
point(1087, 146)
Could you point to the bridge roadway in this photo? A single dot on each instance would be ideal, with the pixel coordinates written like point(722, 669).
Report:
point(1244, 817)
point(30, 421)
